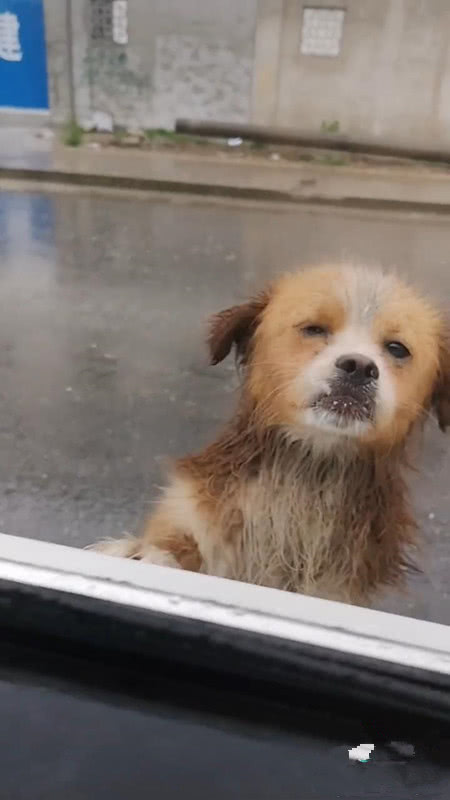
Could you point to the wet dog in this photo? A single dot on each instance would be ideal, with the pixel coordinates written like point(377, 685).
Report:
point(304, 489)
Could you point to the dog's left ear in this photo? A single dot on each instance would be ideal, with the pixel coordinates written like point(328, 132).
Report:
point(235, 326)
point(441, 395)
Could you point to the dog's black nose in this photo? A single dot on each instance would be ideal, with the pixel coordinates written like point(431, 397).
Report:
point(358, 368)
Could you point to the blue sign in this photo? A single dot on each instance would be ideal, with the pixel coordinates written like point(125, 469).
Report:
point(23, 63)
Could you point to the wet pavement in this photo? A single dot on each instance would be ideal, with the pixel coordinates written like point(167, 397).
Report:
point(29, 147)
point(103, 372)
point(233, 172)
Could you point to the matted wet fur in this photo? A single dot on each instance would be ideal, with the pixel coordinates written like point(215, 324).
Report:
point(304, 488)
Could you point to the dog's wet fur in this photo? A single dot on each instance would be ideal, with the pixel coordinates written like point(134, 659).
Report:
point(304, 488)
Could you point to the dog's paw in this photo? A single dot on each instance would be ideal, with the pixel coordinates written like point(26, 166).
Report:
point(123, 548)
point(132, 547)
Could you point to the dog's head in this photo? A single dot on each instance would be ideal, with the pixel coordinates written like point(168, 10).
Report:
point(340, 351)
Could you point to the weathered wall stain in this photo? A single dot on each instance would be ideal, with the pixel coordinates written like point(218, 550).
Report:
point(186, 57)
point(118, 86)
point(199, 79)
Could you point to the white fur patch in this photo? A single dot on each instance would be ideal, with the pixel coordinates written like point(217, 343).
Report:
point(288, 534)
point(362, 292)
point(127, 546)
point(122, 548)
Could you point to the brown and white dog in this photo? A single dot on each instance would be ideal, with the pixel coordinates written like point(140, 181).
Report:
point(304, 489)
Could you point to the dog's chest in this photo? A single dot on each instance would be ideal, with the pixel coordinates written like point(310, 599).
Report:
point(288, 533)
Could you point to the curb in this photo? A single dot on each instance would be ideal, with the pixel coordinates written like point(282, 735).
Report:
point(272, 135)
point(60, 177)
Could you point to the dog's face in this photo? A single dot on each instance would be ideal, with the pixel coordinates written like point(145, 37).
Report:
point(340, 352)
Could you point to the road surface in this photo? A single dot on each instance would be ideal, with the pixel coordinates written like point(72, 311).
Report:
point(103, 372)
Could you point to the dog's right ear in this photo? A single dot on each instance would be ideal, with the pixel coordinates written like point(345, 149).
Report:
point(235, 326)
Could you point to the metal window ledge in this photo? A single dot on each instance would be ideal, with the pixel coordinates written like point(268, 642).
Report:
point(290, 643)
point(123, 679)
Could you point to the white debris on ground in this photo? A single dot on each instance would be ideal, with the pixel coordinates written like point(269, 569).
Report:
point(361, 752)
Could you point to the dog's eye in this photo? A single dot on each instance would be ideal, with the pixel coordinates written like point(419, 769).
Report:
point(397, 349)
point(314, 330)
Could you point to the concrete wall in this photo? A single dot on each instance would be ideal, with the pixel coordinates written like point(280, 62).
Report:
point(241, 61)
point(184, 58)
point(390, 82)
point(57, 63)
